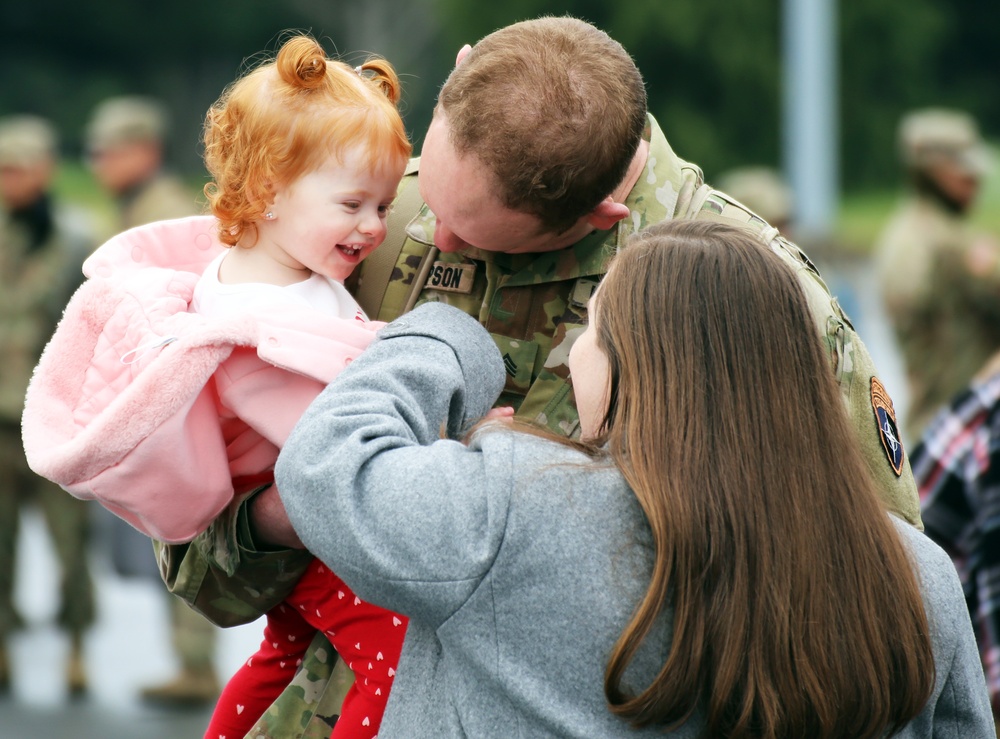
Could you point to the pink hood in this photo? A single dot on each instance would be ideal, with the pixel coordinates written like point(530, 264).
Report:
point(123, 407)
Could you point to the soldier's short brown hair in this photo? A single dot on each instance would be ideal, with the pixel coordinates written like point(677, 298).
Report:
point(555, 108)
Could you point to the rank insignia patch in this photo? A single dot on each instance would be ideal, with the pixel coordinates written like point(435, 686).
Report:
point(888, 433)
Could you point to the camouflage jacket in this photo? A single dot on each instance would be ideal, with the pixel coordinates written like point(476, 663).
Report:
point(534, 305)
point(940, 283)
point(35, 285)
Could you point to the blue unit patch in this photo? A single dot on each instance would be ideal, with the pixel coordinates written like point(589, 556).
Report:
point(885, 418)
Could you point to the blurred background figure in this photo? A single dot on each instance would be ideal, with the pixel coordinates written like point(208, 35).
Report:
point(126, 141)
point(939, 278)
point(764, 191)
point(42, 248)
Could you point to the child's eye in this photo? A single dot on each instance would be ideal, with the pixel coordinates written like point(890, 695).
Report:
point(352, 205)
point(384, 210)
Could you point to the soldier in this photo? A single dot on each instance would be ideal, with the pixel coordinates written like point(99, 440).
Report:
point(516, 216)
point(940, 279)
point(42, 248)
point(126, 139)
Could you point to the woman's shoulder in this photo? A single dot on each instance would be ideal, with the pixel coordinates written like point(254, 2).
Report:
point(924, 550)
point(942, 590)
point(498, 437)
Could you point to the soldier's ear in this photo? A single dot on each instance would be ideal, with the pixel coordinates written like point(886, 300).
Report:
point(607, 214)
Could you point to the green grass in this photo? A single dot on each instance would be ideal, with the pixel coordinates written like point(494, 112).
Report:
point(74, 184)
point(863, 214)
point(861, 217)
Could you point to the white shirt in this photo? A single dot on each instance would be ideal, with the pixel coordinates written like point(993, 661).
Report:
point(216, 299)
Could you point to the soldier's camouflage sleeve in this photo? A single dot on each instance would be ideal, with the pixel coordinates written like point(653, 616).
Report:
point(222, 575)
point(870, 409)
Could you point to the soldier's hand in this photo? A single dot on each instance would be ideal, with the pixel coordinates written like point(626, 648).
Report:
point(269, 521)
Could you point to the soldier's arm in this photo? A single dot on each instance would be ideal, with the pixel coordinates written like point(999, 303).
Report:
point(979, 273)
point(226, 573)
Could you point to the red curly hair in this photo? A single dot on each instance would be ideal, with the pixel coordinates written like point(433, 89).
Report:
point(279, 121)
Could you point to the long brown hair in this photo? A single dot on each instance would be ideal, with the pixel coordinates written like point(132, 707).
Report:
point(796, 609)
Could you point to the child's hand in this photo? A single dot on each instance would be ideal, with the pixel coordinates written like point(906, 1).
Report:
point(503, 413)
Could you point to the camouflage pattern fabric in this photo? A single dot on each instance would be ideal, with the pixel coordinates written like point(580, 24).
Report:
point(940, 283)
point(224, 579)
point(535, 305)
point(35, 285)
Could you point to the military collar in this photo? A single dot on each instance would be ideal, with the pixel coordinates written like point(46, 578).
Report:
point(664, 189)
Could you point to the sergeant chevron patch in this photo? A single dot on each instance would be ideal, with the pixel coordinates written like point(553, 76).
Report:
point(885, 418)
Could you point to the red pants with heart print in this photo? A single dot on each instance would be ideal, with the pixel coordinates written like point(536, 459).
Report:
point(366, 637)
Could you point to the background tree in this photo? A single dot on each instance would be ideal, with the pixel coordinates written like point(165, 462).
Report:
point(712, 66)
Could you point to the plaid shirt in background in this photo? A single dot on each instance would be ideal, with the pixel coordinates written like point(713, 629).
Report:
point(957, 469)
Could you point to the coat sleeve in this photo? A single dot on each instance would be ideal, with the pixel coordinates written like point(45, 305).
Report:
point(963, 708)
point(407, 519)
point(959, 705)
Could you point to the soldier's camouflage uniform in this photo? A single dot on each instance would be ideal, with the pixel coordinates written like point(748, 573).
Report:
point(940, 283)
point(534, 305)
point(35, 284)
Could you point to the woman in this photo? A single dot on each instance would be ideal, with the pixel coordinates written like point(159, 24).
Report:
point(698, 562)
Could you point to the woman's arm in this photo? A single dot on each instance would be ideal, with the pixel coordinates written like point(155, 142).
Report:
point(401, 515)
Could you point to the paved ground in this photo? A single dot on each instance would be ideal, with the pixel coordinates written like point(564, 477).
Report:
point(128, 648)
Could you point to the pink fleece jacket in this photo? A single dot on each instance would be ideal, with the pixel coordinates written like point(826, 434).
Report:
point(153, 410)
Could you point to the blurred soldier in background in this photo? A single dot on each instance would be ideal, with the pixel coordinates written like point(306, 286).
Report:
point(940, 279)
point(126, 140)
point(126, 149)
point(764, 191)
point(42, 248)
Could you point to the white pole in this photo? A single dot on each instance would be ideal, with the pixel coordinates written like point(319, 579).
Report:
point(811, 111)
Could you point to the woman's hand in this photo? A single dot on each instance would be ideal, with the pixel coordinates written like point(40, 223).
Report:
point(503, 413)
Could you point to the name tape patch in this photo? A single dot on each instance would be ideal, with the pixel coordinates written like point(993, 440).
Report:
point(451, 278)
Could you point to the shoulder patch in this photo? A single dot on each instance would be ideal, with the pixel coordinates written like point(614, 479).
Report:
point(885, 419)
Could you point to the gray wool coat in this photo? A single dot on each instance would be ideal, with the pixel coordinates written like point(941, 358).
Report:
point(517, 561)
